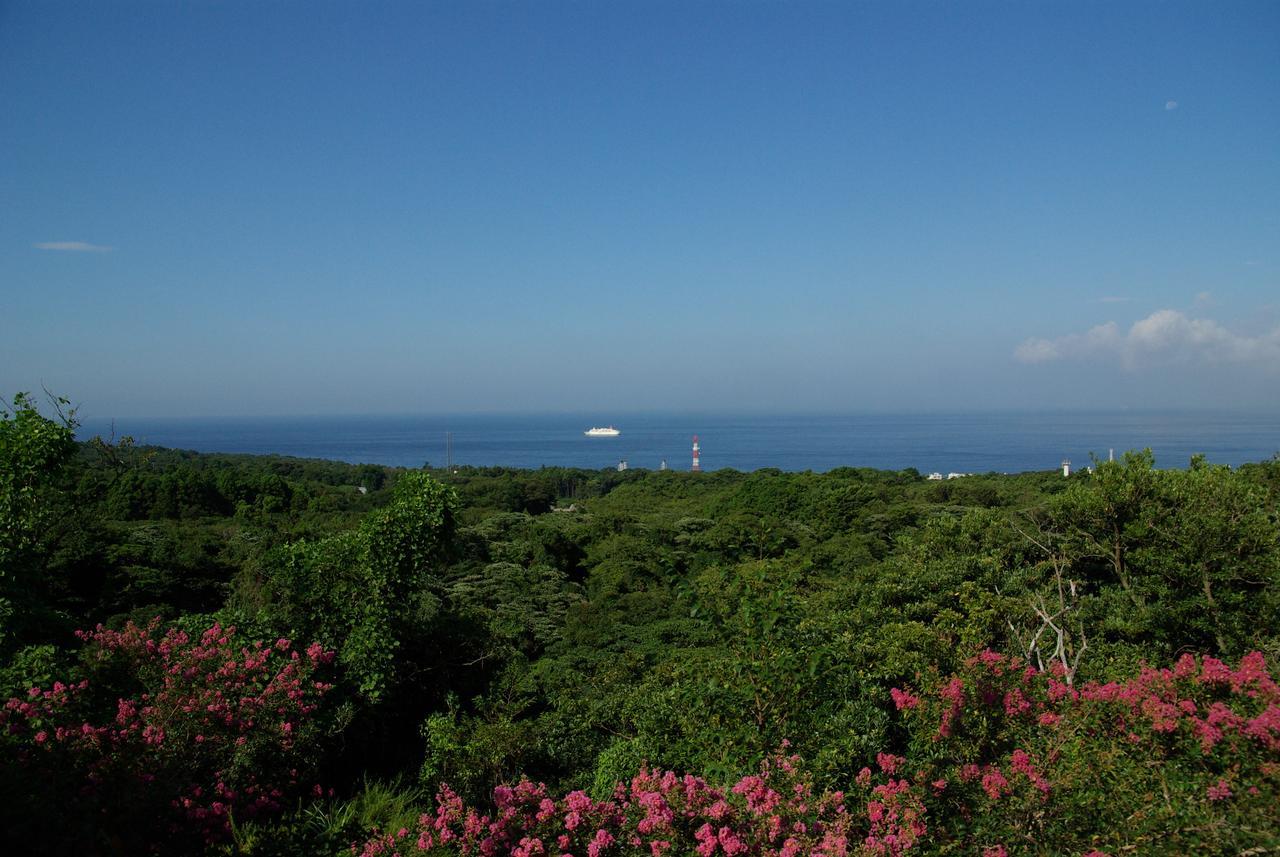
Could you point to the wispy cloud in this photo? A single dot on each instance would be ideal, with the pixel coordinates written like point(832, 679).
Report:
point(1103, 338)
point(1113, 299)
point(72, 246)
point(1164, 337)
point(1171, 105)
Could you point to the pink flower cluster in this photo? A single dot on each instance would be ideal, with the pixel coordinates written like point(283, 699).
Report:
point(999, 743)
point(775, 813)
point(1167, 700)
point(213, 727)
point(1216, 719)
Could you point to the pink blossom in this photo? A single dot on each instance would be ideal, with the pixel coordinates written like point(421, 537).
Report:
point(1219, 792)
point(1015, 703)
point(730, 842)
point(602, 840)
point(994, 783)
point(888, 762)
point(707, 840)
point(903, 700)
point(953, 693)
point(1021, 763)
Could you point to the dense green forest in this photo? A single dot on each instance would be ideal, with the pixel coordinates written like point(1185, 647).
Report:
point(260, 655)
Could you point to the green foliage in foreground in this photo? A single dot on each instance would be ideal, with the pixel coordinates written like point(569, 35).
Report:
point(690, 622)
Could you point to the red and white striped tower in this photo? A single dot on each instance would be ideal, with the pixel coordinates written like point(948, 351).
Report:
point(697, 465)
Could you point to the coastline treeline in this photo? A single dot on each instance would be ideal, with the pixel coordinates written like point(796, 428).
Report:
point(259, 655)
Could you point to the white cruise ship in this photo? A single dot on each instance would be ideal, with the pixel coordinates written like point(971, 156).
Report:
point(602, 432)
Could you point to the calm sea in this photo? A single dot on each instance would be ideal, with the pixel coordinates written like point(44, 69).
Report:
point(967, 443)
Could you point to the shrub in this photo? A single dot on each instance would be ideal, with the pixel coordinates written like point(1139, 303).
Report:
point(166, 739)
point(1176, 760)
point(1000, 759)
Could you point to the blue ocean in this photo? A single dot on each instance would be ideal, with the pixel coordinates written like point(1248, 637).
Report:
point(966, 443)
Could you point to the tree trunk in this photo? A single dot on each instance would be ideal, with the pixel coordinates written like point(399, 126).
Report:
point(1213, 611)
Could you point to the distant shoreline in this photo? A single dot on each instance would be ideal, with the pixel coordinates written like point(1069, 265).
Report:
point(965, 443)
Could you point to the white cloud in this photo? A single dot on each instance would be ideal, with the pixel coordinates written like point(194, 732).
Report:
point(72, 246)
point(1171, 105)
point(1164, 337)
point(1102, 338)
point(1037, 351)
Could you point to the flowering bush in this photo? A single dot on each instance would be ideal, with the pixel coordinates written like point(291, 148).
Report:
point(1172, 760)
point(775, 812)
point(206, 729)
point(1001, 760)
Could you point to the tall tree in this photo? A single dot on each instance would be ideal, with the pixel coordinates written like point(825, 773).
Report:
point(34, 452)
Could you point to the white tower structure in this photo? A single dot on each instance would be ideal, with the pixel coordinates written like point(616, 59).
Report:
point(1066, 467)
point(697, 456)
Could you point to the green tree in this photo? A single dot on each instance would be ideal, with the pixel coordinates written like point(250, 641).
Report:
point(1109, 516)
point(34, 453)
point(365, 591)
point(1217, 552)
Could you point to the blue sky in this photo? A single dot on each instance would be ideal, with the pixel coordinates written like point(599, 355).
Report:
point(289, 208)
